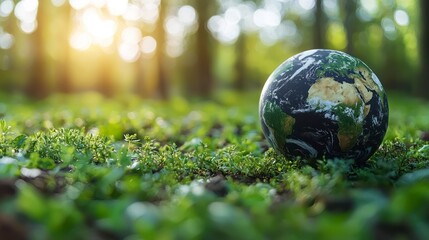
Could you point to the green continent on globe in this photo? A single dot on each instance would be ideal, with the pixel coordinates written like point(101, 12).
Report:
point(362, 76)
point(279, 123)
point(342, 103)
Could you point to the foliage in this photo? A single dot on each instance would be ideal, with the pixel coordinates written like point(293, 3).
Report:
point(85, 167)
point(154, 47)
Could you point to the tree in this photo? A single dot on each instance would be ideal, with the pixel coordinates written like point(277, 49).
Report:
point(152, 79)
point(106, 83)
point(424, 48)
point(162, 82)
point(38, 86)
point(65, 83)
point(204, 82)
point(319, 25)
point(240, 63)
point(349, 23)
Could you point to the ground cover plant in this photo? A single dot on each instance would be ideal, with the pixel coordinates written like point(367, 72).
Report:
point(85, 167)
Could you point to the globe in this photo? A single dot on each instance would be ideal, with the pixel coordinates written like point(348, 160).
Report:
point(324, 104)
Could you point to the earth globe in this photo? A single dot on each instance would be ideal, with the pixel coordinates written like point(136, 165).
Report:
point(324, 104)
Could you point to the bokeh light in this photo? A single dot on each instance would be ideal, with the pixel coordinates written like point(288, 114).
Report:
point(28, 27)
point(133, 13)
point(6, 40)
point(129, 52)
point(129, 49)
point(307, 4)
point(79, 4)
point(131, 35)
point(149, 13)
point(117, 7)
point(98, 3)
point(223, 28)
point(58, 3)
point(174, 27)
point(80, 40)
point(266, 18)
point(370, 7)
point(389, 28)
point(401, 17)
point(26, 12)
point(187, 15)
point(6, 8)
point(148, 45)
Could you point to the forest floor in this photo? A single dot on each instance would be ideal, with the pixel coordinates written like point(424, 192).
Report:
point(85, 167)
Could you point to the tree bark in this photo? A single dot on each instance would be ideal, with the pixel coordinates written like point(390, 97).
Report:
point(240, 63)
point(162, 84)
point(319, 25)
point(349, 24)
point(152, 76)
point(106, 84)
point(38, 87)
point(204, 81)
point(64, 78)
point(424, 48)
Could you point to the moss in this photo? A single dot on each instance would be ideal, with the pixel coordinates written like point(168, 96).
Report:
point(68, 181)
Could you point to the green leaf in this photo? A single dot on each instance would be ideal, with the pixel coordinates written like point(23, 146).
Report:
point(412, 177)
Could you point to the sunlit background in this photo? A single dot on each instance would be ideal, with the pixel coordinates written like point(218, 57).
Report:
point(159, 48)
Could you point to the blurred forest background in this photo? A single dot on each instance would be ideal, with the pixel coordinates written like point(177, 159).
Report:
point(162, 48)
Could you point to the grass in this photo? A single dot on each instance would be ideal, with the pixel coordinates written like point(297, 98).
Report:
point(84, 167)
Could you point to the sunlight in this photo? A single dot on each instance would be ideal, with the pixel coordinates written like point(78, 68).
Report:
point(6, 8)
point(129, 52)
point(148, 45)
point(6, 40)
point(101, 30)
point(174, 27)
point(58, 3)
point(149, 12)
point(187, 15)
point(370, 6)
point(226, 27)
point(26, 12)
point(129, 47)
point(233, 15)
point(266, 18)
point(401, 18)
point(132, 13)
point(117, 7)
point(389, 28)
point(98, 3)
point(331, 8)
point(131, 35)
point(174, 48)
point(79, 4)
point(28, 27)
point(80, 41)
point(307, 4)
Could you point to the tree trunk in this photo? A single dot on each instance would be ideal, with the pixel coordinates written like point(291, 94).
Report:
point(106, 84)
point(349, 24)
point(319, 25)
point(151, 78)
point(204, 81)
point(65, 83)
point(424, 48)
point(240, 63)
point(37, 86)
point(162, 84)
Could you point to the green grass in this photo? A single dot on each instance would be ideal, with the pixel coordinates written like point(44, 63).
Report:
point(84, 167)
